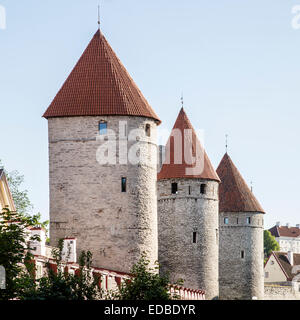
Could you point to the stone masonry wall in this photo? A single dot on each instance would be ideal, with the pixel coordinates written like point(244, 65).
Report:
point(241, 278)
point(179, 215)
point(86, 201)
point(279, 292)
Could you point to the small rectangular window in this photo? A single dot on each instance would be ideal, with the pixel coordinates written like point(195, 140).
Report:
point(174, 188)
point(148, 130)
point(203, 188)
point(248, 220)
point(194, 237)
point(190, 189)
point(226, 220)
point(242, 254)
point(266, 274)
point(237, 220)
point(103, 127)
point(123, 183)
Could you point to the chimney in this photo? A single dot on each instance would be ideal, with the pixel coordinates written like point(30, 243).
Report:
point(287, 225)
point(298, 226)
point(278, 224)
point(69, 250)
point(38, 247)
point(291, 257)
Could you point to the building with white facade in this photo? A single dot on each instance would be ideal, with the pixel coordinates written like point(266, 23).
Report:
point(287, 237)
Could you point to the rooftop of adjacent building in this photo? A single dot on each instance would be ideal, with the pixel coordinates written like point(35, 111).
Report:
point(99, 85)
point(234, 193)
point(285, 231)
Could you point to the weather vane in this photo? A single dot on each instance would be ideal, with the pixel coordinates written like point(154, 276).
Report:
point(181, 99)
point(99, 16)
point(226, 145)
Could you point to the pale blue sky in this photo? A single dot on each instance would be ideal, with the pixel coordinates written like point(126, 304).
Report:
point(237, 62)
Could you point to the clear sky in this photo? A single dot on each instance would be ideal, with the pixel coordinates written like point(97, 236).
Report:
point(237, 63)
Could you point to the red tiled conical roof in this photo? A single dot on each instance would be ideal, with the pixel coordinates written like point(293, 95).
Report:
point(99, 85)
point(173, 169)
point(234, 194)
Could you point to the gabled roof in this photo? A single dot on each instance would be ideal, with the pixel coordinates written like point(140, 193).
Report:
point(284, 231)
point(99, 85)
point(6, 199)
point(283, 260)
point(171, 169)
point(234, 194)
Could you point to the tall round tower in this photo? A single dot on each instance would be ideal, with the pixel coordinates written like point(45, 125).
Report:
point(241, 254)
point(188, 212)
point(98, 194)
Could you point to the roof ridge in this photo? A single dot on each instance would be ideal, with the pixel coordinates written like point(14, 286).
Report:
point(234, 193)
point(99, 84)
point(179, 170)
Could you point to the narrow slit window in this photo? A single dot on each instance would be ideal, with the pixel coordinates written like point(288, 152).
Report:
point(174, 188)
point(124, 184)
point(190, 190)
point(237, 220)
point(226, 220)
point(103, 127)
point(248, 220)
point(203, 188)
point(242, 254)
point(148, 130)
point(194, 237)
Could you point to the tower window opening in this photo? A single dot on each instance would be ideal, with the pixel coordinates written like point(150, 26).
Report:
point(226, 220)
point(148, 130)
point(242, 254)
point(237, 220)
point(248, 220)
point(190, 190)
point(174, 188)
point(123, 184)
point(203, 188)
point(194, 237)
point(103, 127)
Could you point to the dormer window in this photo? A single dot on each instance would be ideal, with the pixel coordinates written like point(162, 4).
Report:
point(203, 188)
point(148, 130)
point(102, 127)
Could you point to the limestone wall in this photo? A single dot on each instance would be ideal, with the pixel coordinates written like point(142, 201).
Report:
point(86, 201)
point(280, 292)
point(179, 216)
point(241, 277)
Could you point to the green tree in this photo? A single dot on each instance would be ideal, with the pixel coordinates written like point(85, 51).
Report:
point(270, 244)
point(14, 250)
point(21, 199)
point(146, 283)
point(60, 285)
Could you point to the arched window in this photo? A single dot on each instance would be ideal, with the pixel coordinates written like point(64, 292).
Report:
point(203, 188)
point(148, 130)
point(102, 127)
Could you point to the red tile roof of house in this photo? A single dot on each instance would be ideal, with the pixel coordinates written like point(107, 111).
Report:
point(282, 258)
point(99, 85)
point(284, 231)
point(234, 194)
point(174, 170)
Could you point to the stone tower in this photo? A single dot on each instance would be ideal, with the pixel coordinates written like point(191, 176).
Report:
point(241, 236)
point(188, 212)
point(108, 204)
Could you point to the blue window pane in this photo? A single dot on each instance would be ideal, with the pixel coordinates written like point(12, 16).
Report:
point(103, 127)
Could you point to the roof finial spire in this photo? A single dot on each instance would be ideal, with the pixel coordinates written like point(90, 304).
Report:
point(181, 99)
point(251, 183)
point(226, 144)
point(99, 16)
